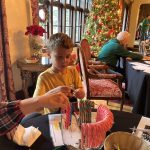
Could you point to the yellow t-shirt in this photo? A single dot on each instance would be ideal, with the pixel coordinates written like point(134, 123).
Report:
point(49, 80)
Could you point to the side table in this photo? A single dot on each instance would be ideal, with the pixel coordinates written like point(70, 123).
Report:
point(27, 69)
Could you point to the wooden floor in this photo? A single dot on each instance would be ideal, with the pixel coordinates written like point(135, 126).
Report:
point(112, 105)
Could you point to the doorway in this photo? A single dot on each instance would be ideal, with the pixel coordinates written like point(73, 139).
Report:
point(143, 12)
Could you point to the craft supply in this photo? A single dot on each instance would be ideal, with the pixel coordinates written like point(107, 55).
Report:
point(67, 115)
point(92, 133)
point(85, 107)
point(146, 133)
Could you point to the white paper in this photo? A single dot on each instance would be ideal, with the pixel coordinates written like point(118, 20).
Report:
point(72, 135)
point(141, 66)
point(60, 135)
point(147, 70)
point(26, 136)
point(147, 62)
point(144, 121)
point(55, 130)
point(31, 135)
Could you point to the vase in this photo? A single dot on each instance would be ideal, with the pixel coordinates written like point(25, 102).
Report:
point(36, 45)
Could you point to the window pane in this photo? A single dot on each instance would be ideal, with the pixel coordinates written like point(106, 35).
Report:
point(78, 3)
point(67, 1)
point(78, 27)
point(62, 1)
point(82, 4)
point(89, 4)
point(55, 19)
point(67, 17)
point(68, 22)
point(77, 34)
point(77, 19)
point(73, 2)
point(68, 31)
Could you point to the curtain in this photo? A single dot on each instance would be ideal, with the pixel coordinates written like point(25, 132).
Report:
point(35, 11)
point(7, 91)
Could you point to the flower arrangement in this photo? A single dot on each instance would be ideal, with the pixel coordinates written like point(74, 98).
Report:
point(35, 30)
point(36, 43)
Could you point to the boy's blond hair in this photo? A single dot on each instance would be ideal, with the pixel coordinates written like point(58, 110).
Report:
point(59, 40)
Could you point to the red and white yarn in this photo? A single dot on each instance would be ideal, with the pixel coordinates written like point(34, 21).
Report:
point(93, 134)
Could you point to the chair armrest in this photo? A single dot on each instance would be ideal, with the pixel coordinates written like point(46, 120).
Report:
point(93, 62)
point(102, 76)
point(98, 67)
point(93, 73)
point(119, 75)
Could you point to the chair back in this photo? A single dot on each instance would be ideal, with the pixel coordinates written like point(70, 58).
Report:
point(96, 85)
point(83, 70)
point(86, 48)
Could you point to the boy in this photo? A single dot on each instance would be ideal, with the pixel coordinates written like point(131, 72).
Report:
point(60, 74)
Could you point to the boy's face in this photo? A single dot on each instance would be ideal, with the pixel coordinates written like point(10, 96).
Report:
point(61, 58)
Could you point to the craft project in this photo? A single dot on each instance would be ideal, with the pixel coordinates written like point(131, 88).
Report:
point(92, 133)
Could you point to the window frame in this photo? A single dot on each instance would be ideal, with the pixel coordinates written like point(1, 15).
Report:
point(62, 12)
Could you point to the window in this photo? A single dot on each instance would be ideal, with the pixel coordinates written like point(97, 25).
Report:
point(78, 25)
point(67, 16)
point(55, 20)
point(69, 22)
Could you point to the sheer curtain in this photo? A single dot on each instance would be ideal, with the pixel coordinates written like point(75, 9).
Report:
point(7, 92)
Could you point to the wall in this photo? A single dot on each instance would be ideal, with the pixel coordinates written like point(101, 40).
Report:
point(18, 17)
point(134, 18)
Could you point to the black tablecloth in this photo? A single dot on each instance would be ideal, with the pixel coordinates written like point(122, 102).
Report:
point(138, 90)
point(123, 121)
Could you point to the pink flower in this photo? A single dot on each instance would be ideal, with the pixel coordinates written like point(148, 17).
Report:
point(35, 30)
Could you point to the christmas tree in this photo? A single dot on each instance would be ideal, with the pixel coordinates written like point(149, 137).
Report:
point(103, 23)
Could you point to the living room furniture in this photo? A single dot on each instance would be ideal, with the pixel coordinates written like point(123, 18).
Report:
point(29, 72)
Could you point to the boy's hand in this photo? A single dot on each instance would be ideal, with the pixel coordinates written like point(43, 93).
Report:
point(79, 93)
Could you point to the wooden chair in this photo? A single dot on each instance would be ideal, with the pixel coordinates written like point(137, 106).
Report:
point(98, 65)
point(86, 47)
point(100, 86)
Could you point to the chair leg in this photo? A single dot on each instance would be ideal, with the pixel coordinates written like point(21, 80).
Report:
point(107, 102)
point(122, 101)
